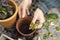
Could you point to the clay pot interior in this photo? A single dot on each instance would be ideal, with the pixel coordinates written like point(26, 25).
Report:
point(22, 26)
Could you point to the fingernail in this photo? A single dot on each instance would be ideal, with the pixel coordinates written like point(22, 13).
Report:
point(22, 16)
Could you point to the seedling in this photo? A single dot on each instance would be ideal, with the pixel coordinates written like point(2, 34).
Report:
point(33, 25)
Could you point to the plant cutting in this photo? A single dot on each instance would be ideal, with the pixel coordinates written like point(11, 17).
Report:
point(23, 25)
point(32, 25)
point(8, 13)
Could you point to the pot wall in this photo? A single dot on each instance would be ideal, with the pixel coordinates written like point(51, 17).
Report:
point(19, 22)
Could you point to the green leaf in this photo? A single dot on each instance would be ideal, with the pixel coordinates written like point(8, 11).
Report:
point(52, 16)
point(3, 9)
point(57, 28)
point(4, 12)
point(32, 26)
point(45, 36)
point(46, 25)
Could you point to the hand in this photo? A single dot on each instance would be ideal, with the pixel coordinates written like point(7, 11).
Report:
point(23, 8)
point(38, 15)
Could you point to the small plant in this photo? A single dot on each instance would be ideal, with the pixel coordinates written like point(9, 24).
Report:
point(33, 25)
point(6, 10)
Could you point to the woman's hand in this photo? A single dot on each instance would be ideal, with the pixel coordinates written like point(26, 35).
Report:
point(24, 8)
point(38, 15)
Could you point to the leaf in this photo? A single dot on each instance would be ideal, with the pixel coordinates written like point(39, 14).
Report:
point(3, 9)
point(2, 16)
point(45, 36)
point(4, 12)
point(32, 26)
point(57, 28)
point(5, 1)
point(10, 10)
point(46, 25)
point(52, 16)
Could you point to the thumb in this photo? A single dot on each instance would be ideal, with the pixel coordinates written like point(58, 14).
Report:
point(34, 19)
point(20, 12)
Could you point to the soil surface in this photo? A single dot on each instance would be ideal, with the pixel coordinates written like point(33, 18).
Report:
point(24, 28)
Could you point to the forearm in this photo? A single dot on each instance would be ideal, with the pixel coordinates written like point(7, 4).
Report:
point(51, 3)
point(46, 5)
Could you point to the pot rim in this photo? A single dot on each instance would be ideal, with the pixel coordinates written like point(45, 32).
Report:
point(17, 27)
point(16, 10)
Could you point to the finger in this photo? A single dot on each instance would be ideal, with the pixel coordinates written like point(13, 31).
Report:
point(20, 12)
point(27, 11)
point(23, 12)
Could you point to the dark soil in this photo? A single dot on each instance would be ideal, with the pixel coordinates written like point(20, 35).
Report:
point(24, 28)
point(8, 15)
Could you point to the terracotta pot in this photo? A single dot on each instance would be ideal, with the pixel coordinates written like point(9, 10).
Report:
point(9, 22)
point(19, 22)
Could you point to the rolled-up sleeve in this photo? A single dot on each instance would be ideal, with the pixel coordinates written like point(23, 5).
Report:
point(42, 6)
point(46, 5)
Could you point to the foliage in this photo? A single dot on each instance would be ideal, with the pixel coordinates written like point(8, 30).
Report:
point(6, 10)
point(33, 25)
point(57, 28)
point(49, 18)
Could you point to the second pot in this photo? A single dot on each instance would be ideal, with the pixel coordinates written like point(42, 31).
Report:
point(24, 26)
